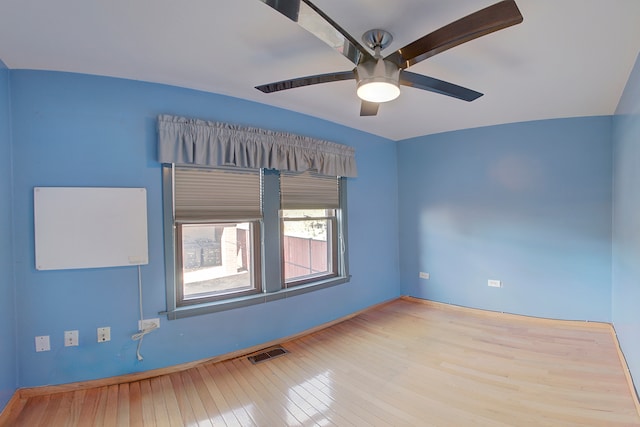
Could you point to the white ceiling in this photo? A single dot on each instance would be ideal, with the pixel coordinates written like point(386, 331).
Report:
point(568, 58)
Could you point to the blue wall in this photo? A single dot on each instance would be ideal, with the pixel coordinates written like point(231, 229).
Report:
point(80, 130)
point(527, 203)
point(8, 368)
point(626, 222)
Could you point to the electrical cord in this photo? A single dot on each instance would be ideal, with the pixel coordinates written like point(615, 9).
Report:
point(140, 335)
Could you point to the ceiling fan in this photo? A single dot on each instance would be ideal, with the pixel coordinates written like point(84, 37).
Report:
point(379, 78)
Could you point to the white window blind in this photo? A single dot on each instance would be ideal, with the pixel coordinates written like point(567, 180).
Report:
point(308, 191)
point(216, 194)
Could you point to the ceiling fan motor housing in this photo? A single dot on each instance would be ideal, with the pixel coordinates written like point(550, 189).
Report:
point(378, 81)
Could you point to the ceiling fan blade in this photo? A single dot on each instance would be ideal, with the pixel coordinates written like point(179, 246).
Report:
point(312, 19)
point(369, 108)
point(493, 18)
point(306, 81)
point(419, 81)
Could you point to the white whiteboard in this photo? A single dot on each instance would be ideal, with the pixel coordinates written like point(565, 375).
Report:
point(88, 227)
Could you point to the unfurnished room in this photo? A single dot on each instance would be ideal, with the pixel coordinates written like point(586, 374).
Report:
point(315, 213)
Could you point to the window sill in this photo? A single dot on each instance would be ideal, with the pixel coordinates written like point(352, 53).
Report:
point(245, 301)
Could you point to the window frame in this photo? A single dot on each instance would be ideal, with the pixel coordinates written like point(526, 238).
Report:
point(271, 272)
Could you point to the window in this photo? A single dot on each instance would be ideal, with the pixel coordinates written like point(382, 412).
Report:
point(216, 216)
point(236, 237)
point(310, 230)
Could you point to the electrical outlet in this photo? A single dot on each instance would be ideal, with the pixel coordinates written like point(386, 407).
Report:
point(43, 343)
point(494, 283)
point(148, 324)
point(104, 334)
point(70, 338)
point(423, 275)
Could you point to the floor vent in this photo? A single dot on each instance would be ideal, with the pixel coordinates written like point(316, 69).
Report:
point(266, 354)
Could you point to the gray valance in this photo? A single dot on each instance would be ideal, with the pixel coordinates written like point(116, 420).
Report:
point(206, 143)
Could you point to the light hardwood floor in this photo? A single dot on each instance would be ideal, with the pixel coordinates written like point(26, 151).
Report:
point(405, 363)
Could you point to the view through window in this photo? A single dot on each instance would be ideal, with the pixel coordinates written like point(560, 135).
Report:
point(308, 242)
point(216, 259)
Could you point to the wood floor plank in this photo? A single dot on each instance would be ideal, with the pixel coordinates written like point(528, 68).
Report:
point(160, 409)
point(33, 411)
point(111, 406)
point(240, 407)
point(288, 411)
point(89, 407)
point(402, 363)
point(148, 408)
point(51, 409)
point(101, 416)
point(186, 413)
point(77, 403)
point(218, 397)
point(197, 406)
point(391, 404)
point(171, 401)
point(295, 405)
point(12, 412)
point(262, 399)
point(344, 400)
point(135, 405)
point(124, 406)
point(214, 413)
point(62, 414)
point(318, 401)
point(260, 414)
point(314, 411)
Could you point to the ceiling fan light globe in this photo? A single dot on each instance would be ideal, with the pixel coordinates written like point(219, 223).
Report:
point(378, 90)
